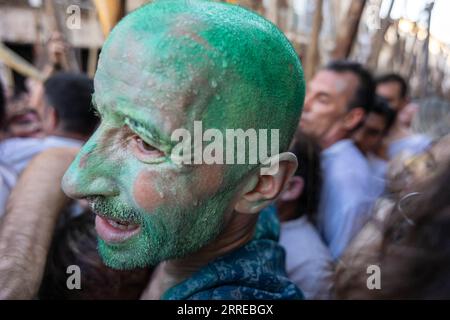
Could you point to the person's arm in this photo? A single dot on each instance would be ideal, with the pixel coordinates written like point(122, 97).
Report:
point(27, 228)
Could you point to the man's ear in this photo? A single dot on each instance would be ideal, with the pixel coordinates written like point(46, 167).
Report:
point(353, 118)
point(264, 188)
point(293, 190)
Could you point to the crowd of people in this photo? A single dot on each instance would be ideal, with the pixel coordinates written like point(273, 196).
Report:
point(368, 190)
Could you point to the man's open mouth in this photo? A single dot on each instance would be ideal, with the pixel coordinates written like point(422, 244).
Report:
point(113, 230)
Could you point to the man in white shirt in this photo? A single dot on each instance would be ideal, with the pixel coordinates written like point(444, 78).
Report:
point(308, 260)
point(369, 139)
point(68, 120)
point(394, 89)
point(67, 115)
point(7, 176)
point(7, 181)
point(337, 100)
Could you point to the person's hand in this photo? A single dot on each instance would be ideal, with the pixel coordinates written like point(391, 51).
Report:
point(57, 48)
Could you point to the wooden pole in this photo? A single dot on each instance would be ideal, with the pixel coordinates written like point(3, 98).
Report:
point(57, 18)
point(408, 62)
point(272, 11)
point(378, 41)
point(19, 64)
point(109, 13)
point(93, 52)
point(349, 29)
point(92, 62)
point(425, 87)
point(312, 53)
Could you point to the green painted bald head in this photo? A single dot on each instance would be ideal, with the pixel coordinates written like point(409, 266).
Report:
point(239, 68)
point(163, 67)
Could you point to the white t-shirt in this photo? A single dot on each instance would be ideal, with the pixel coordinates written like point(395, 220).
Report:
point(7, 182)
point(413, 144)
point(378, 167)
point(347, 196)
point(308, 261)
point(16, 153)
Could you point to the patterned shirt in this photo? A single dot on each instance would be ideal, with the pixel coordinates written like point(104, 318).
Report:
point(253, 271)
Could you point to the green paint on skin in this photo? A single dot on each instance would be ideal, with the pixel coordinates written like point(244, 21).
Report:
point(164, 66)
point(168, 232)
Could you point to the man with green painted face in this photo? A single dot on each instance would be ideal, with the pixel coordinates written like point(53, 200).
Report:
point(164, 66)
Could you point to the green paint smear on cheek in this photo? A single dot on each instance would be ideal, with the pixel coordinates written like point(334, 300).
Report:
point(168, 232)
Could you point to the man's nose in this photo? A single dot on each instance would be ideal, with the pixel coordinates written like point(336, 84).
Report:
point(87, 176)
point(308, 102)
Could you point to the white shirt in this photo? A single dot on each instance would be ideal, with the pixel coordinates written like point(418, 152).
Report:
point(308, 261)
point(378, 168)
point(347, 195)
point(7, 182)
point(16, 153)
point(413, 144)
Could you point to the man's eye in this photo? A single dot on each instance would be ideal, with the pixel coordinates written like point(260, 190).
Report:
point(324, 100)
point(144, 150)
point(144, 146)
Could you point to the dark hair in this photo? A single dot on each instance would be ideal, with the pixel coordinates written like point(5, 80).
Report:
point(307, 152)
point(394, 77)
point(414, 252)
point(2, 106)
point(70, 94)
point(76, 244)
point(365, 93)
point(381, 107)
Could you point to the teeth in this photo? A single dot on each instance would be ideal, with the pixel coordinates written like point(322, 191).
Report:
point(121, 226)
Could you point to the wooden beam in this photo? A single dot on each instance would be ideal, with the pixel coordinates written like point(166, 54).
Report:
point(272, 11)
point(378, 40)
point(425, 88)
point(19, 64)
point(348, 30)
point(92, 62)
point(57, 18)
point(109, 13)
point(312, 53)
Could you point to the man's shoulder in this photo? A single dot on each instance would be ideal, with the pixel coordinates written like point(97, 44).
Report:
point(16, 152)
point(414, 144)
point(255, 271)
point(347, 177)
point(57, 141)
point(349, 172)
point(11, 146)
point(7, 176)
point(301, 236)
point(343, 156)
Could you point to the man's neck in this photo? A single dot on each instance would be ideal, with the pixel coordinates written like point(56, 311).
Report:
point(288, 211)
point(238, 232)
point(332, 139)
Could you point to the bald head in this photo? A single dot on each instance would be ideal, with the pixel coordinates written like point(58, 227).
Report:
point(205, 61)
point(165, 67)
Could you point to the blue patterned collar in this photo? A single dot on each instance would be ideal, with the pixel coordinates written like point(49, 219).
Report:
point(253, 271)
